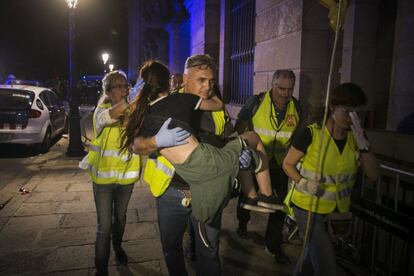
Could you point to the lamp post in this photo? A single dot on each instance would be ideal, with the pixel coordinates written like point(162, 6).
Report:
point(75, 148)
point(111, 67)
point(105, 57)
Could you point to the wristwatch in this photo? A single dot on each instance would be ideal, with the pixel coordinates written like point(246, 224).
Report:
point(365, 150)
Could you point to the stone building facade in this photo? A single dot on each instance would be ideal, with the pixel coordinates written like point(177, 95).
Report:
point(252, 38)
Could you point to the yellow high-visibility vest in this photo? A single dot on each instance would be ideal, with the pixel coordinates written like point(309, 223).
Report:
point(106, 165)
point(159, 171)
point(275, 135)
point(338, 173)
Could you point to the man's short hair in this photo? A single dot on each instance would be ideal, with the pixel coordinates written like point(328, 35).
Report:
point(200, 61)
point(283, 73)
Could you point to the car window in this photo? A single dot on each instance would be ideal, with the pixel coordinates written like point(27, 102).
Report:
point(54, 100)
point(45, 99)
point(12, 99)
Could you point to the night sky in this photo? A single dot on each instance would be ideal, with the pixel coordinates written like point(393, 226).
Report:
point(34, 37)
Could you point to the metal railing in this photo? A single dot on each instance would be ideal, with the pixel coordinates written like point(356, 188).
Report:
point(381, 239)
point(242, 50)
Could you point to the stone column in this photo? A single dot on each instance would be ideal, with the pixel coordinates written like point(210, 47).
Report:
point(173, 30)
point(134, 32)
point(401, 101)
point(205, 26)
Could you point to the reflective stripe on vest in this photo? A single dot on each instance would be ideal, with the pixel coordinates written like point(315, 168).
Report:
point(338, 174)
point(115, 174)
point(106, 164)
point(273, 133)
point(112, 153)
point(275, 138)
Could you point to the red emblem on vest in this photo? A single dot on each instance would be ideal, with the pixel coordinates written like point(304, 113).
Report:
point(290, 121)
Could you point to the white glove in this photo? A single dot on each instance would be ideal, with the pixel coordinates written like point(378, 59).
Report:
point(358, 132)
point(309, 185)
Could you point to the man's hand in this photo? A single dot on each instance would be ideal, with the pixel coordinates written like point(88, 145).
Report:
point(309, 185)
point(358, 132)
point(171, 137)
point(245, 159)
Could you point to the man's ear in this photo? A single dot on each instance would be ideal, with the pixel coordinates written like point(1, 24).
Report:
point(185, 78)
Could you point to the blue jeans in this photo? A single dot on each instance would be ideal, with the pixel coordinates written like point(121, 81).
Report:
point(173, 219)
point(319, 254)
point(111, 201)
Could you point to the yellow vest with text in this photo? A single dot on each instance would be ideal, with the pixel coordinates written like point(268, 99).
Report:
point(106, 164)
point(275, 135)
point(159, 171)
point(338, 174)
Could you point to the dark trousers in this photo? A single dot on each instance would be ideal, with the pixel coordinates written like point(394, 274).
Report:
point(173, 219)
point(273, 237)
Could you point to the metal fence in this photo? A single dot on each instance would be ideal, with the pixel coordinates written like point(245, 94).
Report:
point(242, 50)
point(381, 237)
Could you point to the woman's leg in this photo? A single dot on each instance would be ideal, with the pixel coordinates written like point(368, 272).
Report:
point(122, 196)
point(263, 175)
point(103, 195)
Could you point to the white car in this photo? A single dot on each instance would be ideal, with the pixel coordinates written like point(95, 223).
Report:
point(30, 115)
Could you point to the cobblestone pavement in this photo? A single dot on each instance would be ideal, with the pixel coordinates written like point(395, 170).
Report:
point(51, 229)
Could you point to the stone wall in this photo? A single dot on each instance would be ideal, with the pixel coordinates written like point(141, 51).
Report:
point(293, 34)
point(278, 40)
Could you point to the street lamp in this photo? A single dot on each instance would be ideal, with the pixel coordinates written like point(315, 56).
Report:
point(105, 57)
point(75, 148)
point(111, 67)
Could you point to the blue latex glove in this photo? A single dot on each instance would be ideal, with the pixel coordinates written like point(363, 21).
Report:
point(171, 137)
point(245, 159)
point(135, 90)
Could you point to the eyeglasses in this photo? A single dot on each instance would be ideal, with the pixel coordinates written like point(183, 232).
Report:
point(120, 86)
point(289, 89)
point(359, 111)
point(202, 64)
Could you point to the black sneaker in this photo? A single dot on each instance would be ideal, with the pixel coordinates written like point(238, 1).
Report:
point(281, 258)
point(102, 273)
point(121, 256)
point(270, 202)
point(251, 204)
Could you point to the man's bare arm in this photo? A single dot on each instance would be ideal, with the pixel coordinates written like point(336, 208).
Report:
point(144, 146)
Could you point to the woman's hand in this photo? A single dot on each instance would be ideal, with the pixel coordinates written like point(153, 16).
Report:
point(309, 185)
point(358, 132)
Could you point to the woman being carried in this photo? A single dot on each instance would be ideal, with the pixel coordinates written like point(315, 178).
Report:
point(201, 165)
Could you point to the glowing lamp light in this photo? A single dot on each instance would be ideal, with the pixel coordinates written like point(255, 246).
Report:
point(105, 57)
point(72, 3)
point(111, 67)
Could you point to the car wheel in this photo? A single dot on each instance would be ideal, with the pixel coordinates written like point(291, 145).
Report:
point(47, 140)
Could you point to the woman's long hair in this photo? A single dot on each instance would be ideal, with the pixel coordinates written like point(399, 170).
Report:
point(156, 77)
